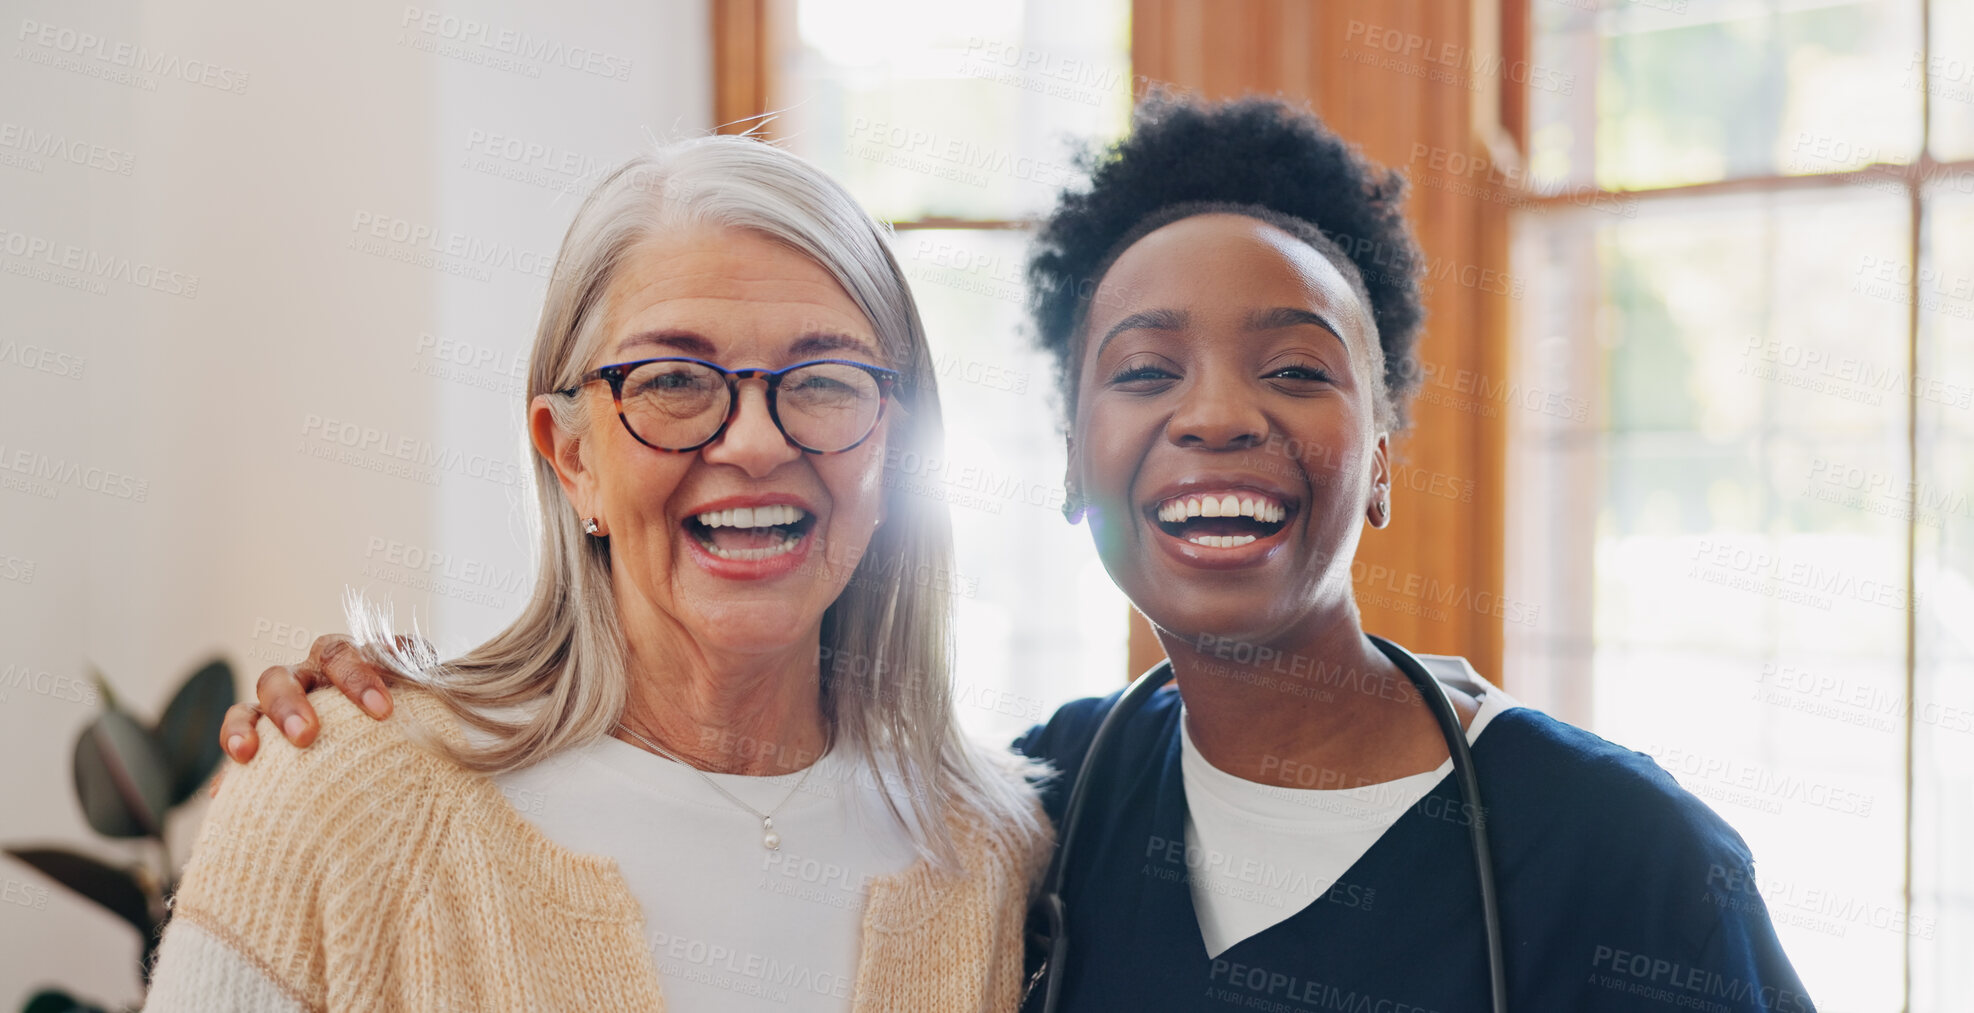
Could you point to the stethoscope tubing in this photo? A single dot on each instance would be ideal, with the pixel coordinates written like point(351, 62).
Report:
point(1134, 698)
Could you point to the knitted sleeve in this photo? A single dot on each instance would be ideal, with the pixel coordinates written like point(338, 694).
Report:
point(945, 942)
point(197, 971)
point(300, 863)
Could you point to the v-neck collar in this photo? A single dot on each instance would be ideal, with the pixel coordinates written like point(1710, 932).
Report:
point(1142, 844)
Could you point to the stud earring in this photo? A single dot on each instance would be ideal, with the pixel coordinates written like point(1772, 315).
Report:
point(590, 526)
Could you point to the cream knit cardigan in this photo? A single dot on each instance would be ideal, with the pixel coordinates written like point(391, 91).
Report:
point(369, 873)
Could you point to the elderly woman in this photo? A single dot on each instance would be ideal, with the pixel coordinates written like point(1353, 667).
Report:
point(1234, 308)
point(618, 801)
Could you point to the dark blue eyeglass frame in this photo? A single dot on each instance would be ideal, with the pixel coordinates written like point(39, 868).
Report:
point(887, 379)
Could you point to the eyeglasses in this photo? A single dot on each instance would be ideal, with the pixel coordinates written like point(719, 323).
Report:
point(825, 406)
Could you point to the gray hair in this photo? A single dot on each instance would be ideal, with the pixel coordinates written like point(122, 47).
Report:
point(556, 677)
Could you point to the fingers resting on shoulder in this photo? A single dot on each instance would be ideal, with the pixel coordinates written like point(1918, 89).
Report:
point(333, 660)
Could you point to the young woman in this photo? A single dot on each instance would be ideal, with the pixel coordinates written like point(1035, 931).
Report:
point(1233, 305)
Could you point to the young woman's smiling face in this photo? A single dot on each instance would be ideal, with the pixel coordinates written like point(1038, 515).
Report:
point(1225, 437)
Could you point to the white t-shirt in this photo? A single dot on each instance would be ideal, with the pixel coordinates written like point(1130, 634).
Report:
point(732, 925)
point(1257, 854)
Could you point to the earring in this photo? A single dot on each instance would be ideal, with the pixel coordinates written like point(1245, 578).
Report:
point(1383, 508)
point(1072, 505)
point(590, 526)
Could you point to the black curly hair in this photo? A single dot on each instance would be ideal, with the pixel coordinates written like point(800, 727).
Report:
point(1254, 156)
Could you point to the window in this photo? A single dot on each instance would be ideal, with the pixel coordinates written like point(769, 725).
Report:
point(1752, 264)
point(959, 123)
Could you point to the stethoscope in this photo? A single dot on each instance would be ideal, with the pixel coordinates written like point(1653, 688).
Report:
point(1046, 983)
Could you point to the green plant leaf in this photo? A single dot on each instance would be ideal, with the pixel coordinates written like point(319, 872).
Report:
point(53, 1000)
point(113, 888)
point(121, 777)
point(188, 733)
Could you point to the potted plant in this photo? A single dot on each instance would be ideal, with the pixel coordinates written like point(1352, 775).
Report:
point(129, 777)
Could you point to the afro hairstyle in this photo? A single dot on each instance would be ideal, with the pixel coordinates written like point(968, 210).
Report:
point(1254, 156)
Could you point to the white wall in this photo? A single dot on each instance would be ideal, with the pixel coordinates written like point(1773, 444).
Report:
point(237, 149)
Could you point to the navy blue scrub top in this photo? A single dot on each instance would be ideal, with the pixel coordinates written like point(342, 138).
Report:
point(1619, 890)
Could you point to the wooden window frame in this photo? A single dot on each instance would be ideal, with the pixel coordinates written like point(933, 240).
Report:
point(1224, 48)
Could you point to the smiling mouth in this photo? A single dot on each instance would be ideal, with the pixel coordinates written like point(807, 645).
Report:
point(746, 534)
point(1223, 520)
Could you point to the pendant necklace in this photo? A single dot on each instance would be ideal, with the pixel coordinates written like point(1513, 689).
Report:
point(769, 838)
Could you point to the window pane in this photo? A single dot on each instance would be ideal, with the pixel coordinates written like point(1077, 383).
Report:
point(1040, 623)
point(954, 110)
point(1943, 715)
point(1949, 84)
point(1744, 358)
point(1690, 91)
point(974, 112)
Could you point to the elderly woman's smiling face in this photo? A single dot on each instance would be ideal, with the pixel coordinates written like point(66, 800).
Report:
point(744, 542)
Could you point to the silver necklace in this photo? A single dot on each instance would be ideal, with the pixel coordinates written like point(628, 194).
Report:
point(769, 839)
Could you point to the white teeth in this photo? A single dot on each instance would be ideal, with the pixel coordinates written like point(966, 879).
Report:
point(1176, 510)
point(1221, 541)
point(782, 548)
point(752, 517)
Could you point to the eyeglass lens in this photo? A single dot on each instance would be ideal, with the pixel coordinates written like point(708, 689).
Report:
point(824, 407)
